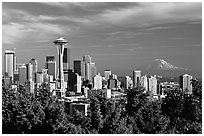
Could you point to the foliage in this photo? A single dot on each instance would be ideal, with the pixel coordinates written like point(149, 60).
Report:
point(42, 113)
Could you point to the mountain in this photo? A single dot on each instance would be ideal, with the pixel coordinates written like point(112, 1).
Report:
point(160, 64)
point(163, 68)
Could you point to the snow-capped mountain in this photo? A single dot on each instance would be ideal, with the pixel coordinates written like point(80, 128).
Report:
point(160, 64)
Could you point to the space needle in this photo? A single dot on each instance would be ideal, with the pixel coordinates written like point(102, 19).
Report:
point(60, 88)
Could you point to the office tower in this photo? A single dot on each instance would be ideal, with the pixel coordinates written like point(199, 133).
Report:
point(86, 72)
point(136, 78)
point(9, 62)
point(45, 75)
point(66, 59)
point(74, 83)
point(22, 74)
point(39, 78)
point(92, 70)
point(29, 68)
point(107, 74)
point(97, 81)
point(153, 85)
point(185, 83)
point(14, 64)
point(77, 67)
point(128, 82)
point(50, 64)
point(35, 69)
point(60, 91)
point(78, 84)
point(144, 82)
point(112, 83)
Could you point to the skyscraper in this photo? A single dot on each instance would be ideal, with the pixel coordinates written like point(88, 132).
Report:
point(153, 85)
point(66, 58)
point(97, 81)
point(39, 78)
point(86, 68)
point(185, 83)
point(92, 70)
point(144, 82)
point(50, 64)
point(136, 78)
point(107, 74)
point(35, 69)
point(10, 64)
point(29, 69)
point(74, 83)
point(22, 74)
point(77, 67)
point(128, 82)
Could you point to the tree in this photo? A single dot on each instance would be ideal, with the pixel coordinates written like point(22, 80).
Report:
point(136, 98)
point(95, 114)
point(149, 119)
point(184, 110)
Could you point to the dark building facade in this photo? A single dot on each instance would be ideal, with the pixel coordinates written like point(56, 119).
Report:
point(77, 67)
point(66, 58)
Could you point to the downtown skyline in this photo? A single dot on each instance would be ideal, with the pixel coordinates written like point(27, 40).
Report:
point(118, 36)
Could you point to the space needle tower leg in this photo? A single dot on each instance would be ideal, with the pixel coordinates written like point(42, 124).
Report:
point(60, 89)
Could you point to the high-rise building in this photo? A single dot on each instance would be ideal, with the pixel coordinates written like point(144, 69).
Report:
point(45, 75)
point(153, 85)
point(22, 74)
point(29, 68)
point(77, 67)
point(10, 64)
point(97, 81)
point(66, 58)
point(78, 84)
point(112, 83)
point(35, 69)
point(144, 82)
point(74, 82)
point(185, 83)
point(86, 67)
point(107, 74)
point(50, 64)
point(14, 64)
point(92, 70)
point(128, 82)
point(136, 78)
point(39, 78)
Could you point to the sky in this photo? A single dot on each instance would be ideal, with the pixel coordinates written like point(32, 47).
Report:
point(120, 36)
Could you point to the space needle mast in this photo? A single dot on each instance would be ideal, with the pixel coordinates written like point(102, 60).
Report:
point(60, 89)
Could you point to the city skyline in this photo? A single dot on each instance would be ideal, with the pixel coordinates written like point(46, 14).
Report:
point(118, 36)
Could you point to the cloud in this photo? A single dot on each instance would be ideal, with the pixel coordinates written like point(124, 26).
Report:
point(120, 35)
point(19, 23)
point(147, 14)
point(156, 28)
point(20, 26)
point(16, 32)
point(136, 49)
point(57, 4)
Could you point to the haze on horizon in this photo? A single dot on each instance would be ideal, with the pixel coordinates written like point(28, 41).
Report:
point(118, 36)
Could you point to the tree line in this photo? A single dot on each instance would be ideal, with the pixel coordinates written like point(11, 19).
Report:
point(41, 113)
